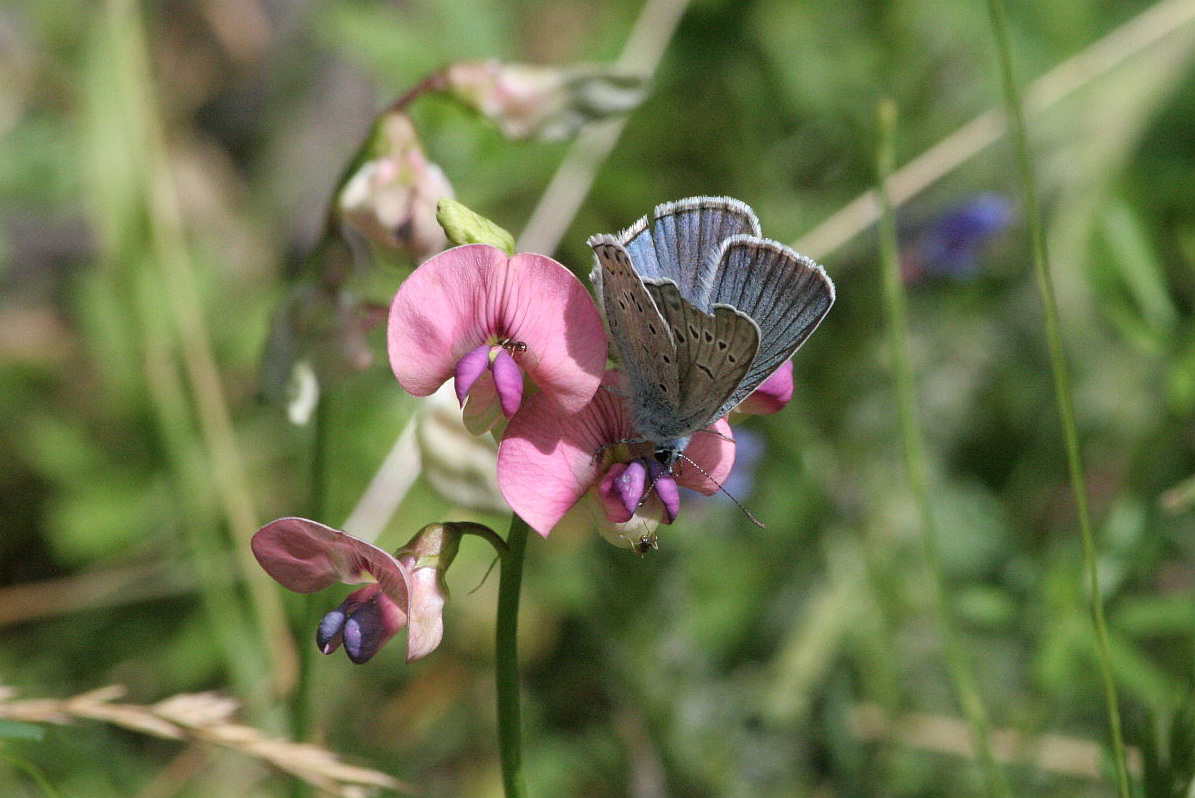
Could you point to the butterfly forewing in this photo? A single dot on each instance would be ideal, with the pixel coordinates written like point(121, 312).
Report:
point(645, 348)
point(682, 244)
point(786, 294)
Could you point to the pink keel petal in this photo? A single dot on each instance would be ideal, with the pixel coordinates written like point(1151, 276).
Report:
point(468, 369)
point(508, 379)
point(665, 487)
point(630, 485)
point(611, 494)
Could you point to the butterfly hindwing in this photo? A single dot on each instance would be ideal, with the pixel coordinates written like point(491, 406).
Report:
point(785, 293)
point(713, 352)
point(645, 348)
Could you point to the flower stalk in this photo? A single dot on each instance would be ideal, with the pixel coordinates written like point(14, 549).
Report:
point(1062, 387)
point(506, 659)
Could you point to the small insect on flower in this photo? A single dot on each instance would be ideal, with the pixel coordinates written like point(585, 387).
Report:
point(647, 542)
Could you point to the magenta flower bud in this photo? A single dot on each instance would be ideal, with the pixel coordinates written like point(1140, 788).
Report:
point(664, 484)
point(508, 379)
point(468, 369)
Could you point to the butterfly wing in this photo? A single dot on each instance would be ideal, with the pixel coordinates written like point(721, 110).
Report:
point(646, 351)
point(786, 294)
point(714, 352)
point(682, 243)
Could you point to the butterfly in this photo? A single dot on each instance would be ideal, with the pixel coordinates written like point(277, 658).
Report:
point(701, 310)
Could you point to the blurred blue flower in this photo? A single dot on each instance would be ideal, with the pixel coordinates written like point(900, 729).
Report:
point(949, 245)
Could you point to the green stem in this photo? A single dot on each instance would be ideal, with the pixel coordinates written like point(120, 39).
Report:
point(506, 660)
point(914, 449)
point(1062, 387)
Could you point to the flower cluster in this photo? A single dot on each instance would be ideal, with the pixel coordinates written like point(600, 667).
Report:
point(524, 344)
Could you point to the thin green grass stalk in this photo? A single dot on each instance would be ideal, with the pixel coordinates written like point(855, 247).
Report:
point(1062, 386)
point(957, 656)
point(303, 700)
point(176, 275)
point(116, 167)
point(506, 660)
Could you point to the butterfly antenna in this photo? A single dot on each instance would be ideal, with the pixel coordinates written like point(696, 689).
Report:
point(737, 503)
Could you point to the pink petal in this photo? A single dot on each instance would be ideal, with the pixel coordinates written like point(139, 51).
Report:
point(772, 394)
point(664, 486)
point(474, 294)
point(306, 556)
point(425, 628)
point(550, 457)
point(468, 369)
point(508, 379)
point(712, 451)
point(620, 490)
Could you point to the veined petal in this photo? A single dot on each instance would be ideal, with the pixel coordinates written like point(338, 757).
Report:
point(474, 294)
point(546, 307)
point(306, 556)
point(550, 457)
point(440, 314)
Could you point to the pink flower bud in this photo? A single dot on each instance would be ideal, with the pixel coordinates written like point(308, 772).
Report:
point(391, 198)
point(548, 103)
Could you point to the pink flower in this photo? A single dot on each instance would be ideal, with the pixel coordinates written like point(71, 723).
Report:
point(483, 317)
point(772, 394)
point(549, 460)
point(306, 556)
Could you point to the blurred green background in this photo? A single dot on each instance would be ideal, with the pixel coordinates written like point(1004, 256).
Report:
point(163, 166)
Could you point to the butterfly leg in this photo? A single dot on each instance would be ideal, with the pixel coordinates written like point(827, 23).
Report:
point(605, 447)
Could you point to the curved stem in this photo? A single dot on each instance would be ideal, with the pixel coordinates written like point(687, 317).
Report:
point(506, 659)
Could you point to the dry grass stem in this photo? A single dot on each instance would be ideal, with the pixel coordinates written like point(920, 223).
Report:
point(205, 718)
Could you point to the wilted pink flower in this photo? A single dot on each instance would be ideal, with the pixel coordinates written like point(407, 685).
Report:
point(391, 197)
point(549, 460)
point(548, 103)
point(483, 317)
point(407, 588)
point(772, 394)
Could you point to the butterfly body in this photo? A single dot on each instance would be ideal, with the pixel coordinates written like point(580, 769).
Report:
point(701, 310)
